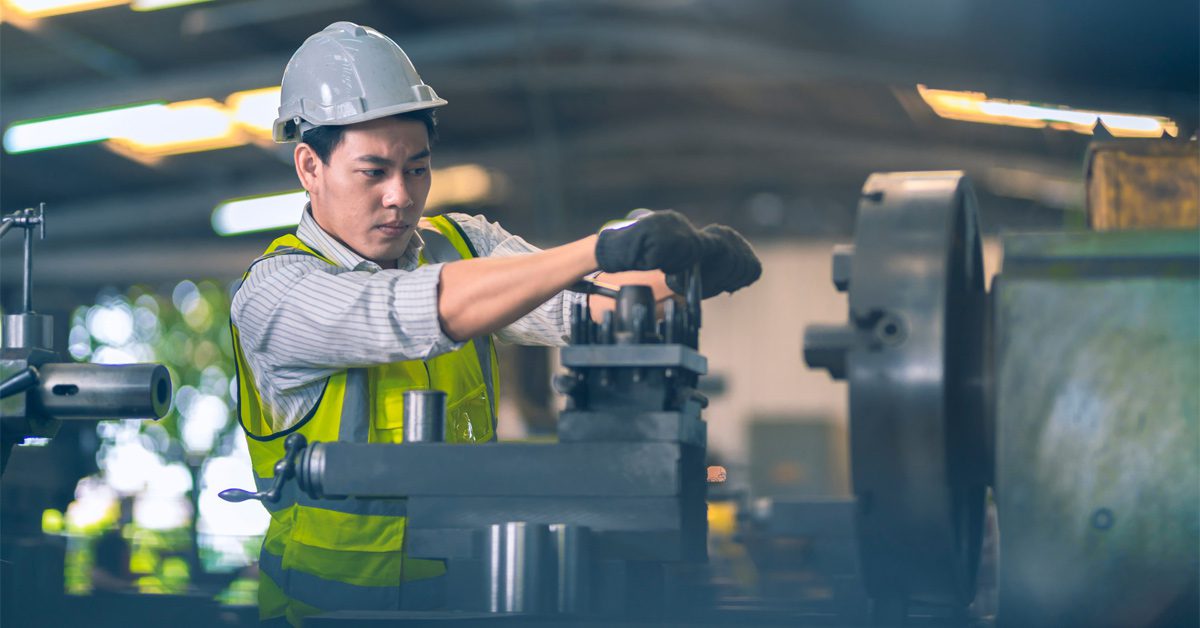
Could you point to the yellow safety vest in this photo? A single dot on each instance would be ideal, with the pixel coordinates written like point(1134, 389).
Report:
point(324, 555)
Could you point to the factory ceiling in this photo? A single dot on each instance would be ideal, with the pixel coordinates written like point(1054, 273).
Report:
point(767, 115)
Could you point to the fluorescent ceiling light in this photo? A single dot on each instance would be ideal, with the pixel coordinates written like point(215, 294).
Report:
point(149, 131)
point(259, 213)
point(154, 5)
point(180, 127)
point(79, 128)
point(456, 185)
point(255, 110)
point(977, 107)
point(46, 8)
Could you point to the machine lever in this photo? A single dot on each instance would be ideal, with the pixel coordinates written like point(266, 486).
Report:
point(588, 286)
point(285, 469)
point(19, 382)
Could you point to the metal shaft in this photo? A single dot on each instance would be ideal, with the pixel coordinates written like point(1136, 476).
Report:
point(572, 551)
point(517, 567)
point(424, 416)
point(101, 391)
point(27, 289)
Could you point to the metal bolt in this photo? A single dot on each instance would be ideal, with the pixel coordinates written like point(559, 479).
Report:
point(890, 330)
point(1103, 519)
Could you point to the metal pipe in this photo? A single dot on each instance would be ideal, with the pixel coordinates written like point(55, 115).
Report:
point(517, 566)
point(572, 550)
point(103, 391)
point(424, 416)
point(28, 331)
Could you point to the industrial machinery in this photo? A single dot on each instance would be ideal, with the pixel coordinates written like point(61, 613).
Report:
point(1070, 389)
point(39, 388)
point(1066, 394)
point(603, 522)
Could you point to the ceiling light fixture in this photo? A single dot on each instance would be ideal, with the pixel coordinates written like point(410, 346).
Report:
point(36, 9)
point(76, 128)
point(180, 127)
point(154, 5)
point(255, 110)
point(259, 213)
point(47, 8)
point(977, 107)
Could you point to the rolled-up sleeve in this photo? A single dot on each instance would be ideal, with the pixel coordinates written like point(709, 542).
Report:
point(304, 319)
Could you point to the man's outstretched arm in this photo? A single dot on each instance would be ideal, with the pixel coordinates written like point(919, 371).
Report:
point(483, 295)
point(479, 296)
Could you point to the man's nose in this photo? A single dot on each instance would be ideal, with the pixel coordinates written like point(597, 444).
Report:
point(396, 194)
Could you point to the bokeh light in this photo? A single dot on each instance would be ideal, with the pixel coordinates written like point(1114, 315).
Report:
point(158, 480)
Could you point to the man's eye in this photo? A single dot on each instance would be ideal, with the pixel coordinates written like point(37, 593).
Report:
point(373, 173)
point(418, 172)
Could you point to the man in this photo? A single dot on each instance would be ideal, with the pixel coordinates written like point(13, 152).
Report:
point(368, 299)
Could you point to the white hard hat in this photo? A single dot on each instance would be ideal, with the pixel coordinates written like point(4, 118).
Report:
point(346, 74)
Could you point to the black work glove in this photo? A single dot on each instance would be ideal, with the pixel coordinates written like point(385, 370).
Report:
point(727, 263)
point(663, 240)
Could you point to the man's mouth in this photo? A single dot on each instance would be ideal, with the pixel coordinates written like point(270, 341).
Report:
point(393, 228)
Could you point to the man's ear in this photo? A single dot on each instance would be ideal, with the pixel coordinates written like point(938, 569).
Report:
point(308, 166)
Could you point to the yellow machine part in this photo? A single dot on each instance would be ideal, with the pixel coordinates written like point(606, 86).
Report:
point(1143, 184)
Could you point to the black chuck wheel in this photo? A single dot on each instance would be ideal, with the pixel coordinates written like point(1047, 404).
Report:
point(912, 353)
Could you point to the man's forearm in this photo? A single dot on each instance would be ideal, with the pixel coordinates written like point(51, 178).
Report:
point(479, 296)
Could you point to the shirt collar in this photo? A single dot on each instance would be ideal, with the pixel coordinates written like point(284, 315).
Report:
point(314, 236)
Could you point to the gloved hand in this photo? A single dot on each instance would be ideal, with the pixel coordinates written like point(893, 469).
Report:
point(663, 240)
point(727, 263)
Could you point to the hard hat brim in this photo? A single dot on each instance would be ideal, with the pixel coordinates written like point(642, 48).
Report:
point(283, 132)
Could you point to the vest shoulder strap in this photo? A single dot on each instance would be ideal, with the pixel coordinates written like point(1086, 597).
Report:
point(291, 245)
point(445, 240)
point(287, 245)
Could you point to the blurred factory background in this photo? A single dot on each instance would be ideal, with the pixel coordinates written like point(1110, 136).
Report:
point(144, 127)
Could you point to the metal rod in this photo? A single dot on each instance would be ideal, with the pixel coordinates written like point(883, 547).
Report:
point(27, 289)
point(572, 549)
point(424, 416)
point(519, 568)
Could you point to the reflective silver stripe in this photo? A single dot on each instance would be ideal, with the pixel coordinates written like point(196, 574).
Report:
point(272, 565)
point(328, 595)
point(483, 350)
point(355, 423)
point(292, 494)
point(439, 249)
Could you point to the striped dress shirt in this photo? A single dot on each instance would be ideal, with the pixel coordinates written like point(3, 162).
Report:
point(301, 320)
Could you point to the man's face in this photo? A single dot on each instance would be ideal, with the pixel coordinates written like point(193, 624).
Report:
point(372, 192)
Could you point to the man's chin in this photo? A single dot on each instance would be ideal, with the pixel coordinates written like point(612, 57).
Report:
point(389, 252)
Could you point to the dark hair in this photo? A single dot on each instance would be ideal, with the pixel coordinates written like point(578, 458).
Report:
point(323, 139)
